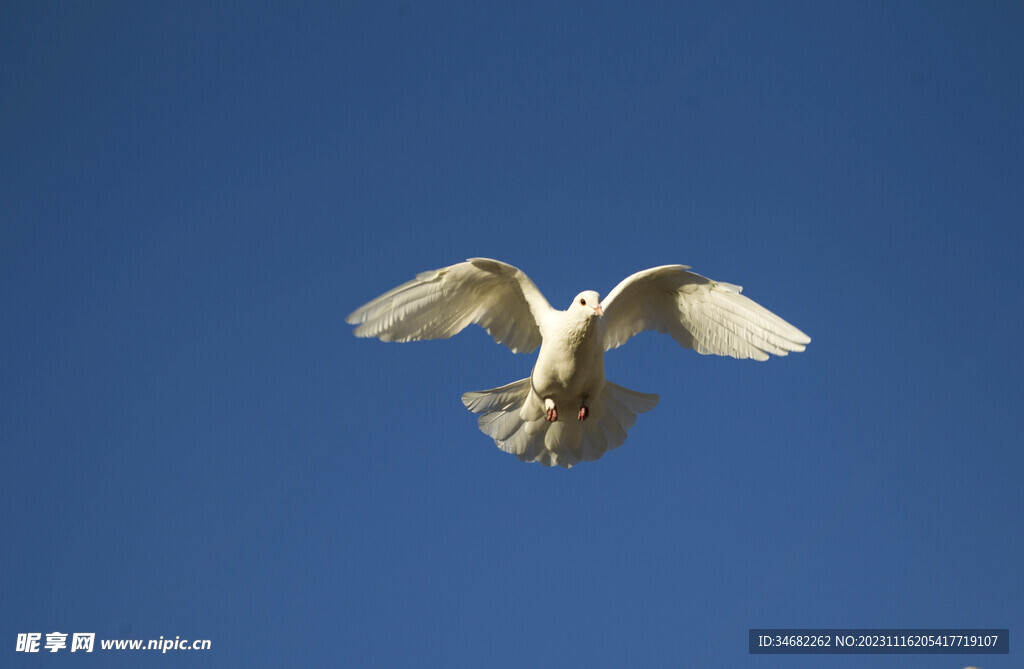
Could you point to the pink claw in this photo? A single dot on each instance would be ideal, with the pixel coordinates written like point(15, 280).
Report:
point(552, 415)
point(584, 412)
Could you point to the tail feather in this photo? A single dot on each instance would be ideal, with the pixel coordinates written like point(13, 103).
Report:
point(500, 424)
point(500, 398)
point(514, 417)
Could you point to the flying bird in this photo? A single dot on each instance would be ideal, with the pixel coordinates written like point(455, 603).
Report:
point(566, 412)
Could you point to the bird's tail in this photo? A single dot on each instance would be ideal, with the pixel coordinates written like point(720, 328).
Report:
point(513, 416)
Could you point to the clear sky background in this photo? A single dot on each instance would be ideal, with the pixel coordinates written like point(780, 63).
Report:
point(194, 196)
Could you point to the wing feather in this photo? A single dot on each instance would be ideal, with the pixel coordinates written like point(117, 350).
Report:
point(711, 317)
point(440, 303)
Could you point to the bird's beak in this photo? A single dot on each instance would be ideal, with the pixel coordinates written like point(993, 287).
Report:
point(599, 310)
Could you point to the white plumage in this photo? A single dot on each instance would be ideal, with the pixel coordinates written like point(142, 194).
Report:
point(566, 412)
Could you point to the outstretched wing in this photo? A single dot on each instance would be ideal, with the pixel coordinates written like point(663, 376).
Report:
point(438, 304)
point(707, 316)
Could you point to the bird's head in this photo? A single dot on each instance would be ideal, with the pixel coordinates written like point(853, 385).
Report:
point(587, 303)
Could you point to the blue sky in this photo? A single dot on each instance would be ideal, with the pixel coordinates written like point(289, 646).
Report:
point(195, 195)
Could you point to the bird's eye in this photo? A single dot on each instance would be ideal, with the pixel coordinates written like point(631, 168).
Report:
point(583, 302)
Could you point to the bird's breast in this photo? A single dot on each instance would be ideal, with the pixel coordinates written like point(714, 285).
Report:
point(571, 361)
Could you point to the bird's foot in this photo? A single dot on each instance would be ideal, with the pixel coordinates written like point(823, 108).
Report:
point(584, 412)
point(552, 415)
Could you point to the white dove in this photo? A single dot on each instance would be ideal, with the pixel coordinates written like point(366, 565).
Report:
point(529, 417)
